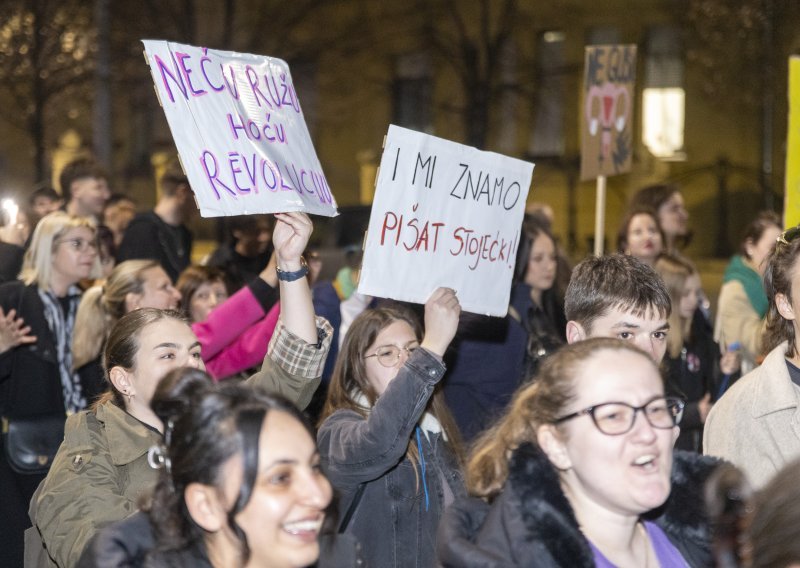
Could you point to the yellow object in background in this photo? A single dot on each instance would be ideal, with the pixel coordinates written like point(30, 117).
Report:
point(791, 210)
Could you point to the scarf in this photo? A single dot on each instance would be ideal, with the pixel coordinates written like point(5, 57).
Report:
point(61, 328)
point(752, 282)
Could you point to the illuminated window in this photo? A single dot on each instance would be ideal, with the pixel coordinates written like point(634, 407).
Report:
point(663, 98)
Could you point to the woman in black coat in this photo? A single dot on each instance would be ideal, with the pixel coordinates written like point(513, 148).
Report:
point(580, 472)
point(693, 366)
point(38, 386)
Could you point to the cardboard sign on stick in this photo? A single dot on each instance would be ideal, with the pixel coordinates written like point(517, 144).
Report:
point(239, 130)
point(607, 112)
point(444, 214)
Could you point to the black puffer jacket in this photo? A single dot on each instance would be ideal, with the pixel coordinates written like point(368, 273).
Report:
point(531, 523)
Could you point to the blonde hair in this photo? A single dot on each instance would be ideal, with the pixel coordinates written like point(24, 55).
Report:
point(676, 271)
point(37, 266)
point(535, 404)
point(102, 306)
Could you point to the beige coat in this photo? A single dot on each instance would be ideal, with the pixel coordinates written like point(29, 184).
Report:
point(756, 424)
point(737, 320)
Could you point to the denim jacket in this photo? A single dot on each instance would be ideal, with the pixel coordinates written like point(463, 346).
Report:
point(392, 521)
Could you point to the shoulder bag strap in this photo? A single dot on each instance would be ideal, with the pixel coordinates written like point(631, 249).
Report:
point(352, 508)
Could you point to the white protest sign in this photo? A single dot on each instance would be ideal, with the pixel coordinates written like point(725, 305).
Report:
point(240, 131)
point(444, 214)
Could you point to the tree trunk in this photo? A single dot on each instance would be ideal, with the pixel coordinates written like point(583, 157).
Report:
point(38, 95)
point(101, 111)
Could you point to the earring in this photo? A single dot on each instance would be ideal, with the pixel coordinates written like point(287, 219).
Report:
point(128, 396)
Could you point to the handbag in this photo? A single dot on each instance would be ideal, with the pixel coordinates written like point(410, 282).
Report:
point(30, 444)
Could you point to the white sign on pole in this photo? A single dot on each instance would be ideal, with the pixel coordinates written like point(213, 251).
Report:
point(239, 130)
point(444, 214)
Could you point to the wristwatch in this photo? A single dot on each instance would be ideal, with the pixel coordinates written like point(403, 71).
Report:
point(296, 275)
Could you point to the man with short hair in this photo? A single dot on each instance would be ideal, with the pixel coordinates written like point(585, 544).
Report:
point(618, 296)
point(160, 234)
point(84, 187)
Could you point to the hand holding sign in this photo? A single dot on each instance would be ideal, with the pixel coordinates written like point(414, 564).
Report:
point(442, 311)
point(290, 237)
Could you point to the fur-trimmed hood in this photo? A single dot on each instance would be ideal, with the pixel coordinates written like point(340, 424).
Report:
point(531, 523)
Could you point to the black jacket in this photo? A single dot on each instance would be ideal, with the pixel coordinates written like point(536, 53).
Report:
point(30, 383)
point(149, 237)
point(531, 523)
point(131, 543)
point(10, 261)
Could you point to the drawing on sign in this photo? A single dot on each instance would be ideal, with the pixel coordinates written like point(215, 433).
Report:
point(607, 110)
point(606, 139)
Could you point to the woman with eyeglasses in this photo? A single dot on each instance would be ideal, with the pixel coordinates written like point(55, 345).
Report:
point(388, 444)
point(580, 472)
point(38, 386)
point(754, 425)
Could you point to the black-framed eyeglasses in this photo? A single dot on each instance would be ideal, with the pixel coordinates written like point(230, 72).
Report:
point(389, 355)
point(789, 235)
point(80, 245)
point(617, 418)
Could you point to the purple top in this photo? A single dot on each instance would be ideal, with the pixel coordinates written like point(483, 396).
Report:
point(667, 555)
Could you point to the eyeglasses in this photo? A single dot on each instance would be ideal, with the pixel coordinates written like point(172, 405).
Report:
point(80, 245)
point(789, 235)
point(389, 355)
point(617, 418)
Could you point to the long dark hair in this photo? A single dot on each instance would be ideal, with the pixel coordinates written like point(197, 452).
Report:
point(206, 424)
point(350, 374)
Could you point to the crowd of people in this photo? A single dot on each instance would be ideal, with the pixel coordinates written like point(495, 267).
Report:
point(240, 412)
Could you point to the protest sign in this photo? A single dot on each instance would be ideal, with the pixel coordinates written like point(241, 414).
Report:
point(791, 210)
point(239, 130)
point(444, 214)
point(607, 117)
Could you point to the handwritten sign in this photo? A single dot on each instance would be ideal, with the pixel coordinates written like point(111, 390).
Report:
point(239, 128)
point(444, 214)
point(607, 117)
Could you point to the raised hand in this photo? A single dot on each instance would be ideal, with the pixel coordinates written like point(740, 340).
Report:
point(442, 311)
point(13, 331)
point(290, 238)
